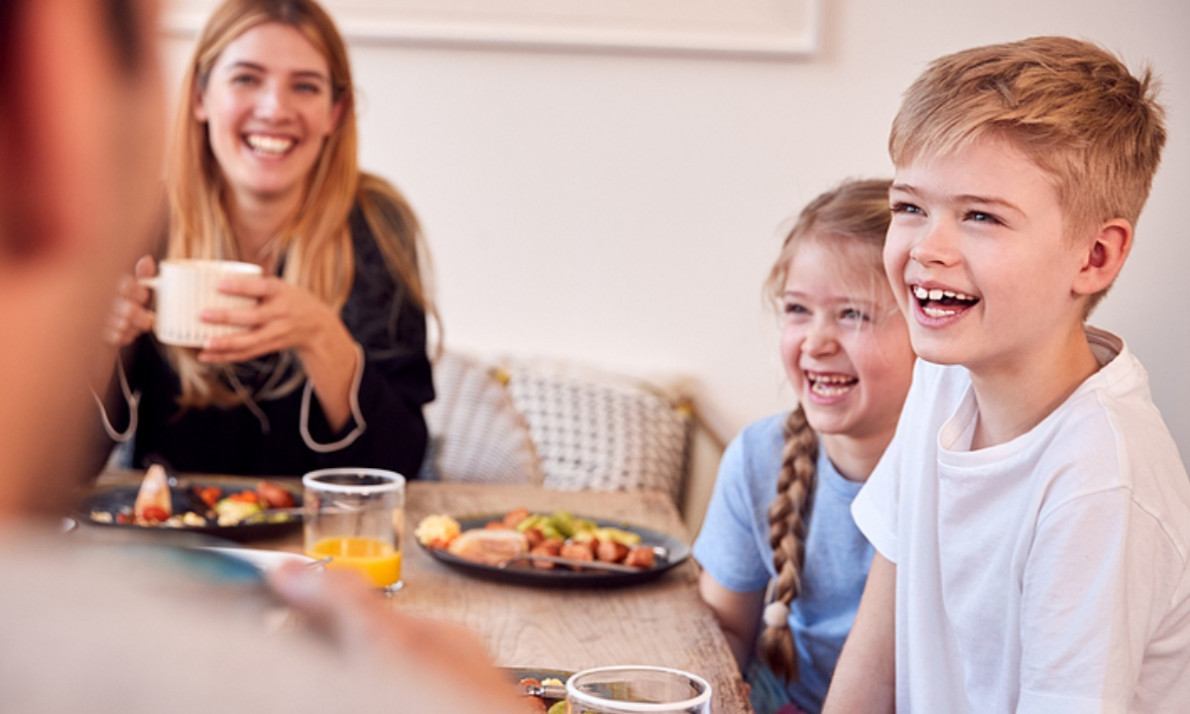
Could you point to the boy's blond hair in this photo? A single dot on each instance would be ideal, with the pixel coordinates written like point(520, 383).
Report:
point(1070, 106)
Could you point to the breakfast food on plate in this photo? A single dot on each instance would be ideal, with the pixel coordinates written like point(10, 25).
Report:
point(537, 705)
point(208, 505)
point(557, 535)
point(489, 546)
point(437, 531)
point(152, 500)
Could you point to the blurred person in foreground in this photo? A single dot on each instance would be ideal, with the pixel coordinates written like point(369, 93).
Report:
point(262, 168)
point(92, 629)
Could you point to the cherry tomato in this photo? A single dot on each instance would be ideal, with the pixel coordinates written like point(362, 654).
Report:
point(245, 497)
point(154, 514)
point(210, 495)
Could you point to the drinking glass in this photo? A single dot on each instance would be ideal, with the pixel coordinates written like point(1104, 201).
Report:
point(355, 516)
point(632, 689)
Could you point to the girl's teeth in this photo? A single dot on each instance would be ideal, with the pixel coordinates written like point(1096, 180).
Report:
point(829, 390)
point(831, 386)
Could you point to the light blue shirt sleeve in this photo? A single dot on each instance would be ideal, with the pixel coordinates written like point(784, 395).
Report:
point(732, 545)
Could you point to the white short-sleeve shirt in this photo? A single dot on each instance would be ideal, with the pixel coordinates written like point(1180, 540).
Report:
point(1046, 574)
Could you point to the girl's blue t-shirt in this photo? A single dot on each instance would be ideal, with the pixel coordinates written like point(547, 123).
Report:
point(733, 548)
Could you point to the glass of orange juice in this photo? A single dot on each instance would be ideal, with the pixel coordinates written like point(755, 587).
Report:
point(355, 517)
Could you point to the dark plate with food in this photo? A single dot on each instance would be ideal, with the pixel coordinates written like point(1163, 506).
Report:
point(231, 507)
point(543, 689)
point(555, 550)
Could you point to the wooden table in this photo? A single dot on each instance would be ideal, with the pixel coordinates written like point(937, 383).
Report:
point(663, 622)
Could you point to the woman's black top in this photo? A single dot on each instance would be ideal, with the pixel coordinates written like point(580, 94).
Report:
point(264, 438)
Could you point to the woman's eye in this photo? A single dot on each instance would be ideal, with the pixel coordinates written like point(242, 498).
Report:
point(244, 79)
point(904, 207)
point(308, 88)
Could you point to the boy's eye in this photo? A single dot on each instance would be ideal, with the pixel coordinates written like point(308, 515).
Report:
point(905, 207)
point(981, 217)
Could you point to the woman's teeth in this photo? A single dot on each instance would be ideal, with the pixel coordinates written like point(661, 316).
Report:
point(269, 145)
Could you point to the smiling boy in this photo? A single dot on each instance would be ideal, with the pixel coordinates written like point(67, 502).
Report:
point(1032, 514)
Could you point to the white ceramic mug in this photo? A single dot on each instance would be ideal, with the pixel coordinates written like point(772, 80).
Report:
point(187, 287)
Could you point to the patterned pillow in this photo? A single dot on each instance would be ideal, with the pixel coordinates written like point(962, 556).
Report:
point(476, 434)
point(597, 431)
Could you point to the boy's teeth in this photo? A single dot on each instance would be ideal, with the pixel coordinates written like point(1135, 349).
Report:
point(939, 311)
point(937, 294)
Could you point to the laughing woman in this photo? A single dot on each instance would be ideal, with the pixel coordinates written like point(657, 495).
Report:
point(332, 369)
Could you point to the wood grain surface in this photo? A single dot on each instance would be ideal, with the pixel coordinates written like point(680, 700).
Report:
point(662, 622)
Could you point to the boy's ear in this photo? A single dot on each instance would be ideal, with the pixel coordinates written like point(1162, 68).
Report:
point(1104, 257)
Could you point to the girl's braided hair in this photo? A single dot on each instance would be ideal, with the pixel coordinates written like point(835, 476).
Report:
point(856, 210)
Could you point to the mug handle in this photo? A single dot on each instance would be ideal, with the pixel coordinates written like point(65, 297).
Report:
point(150, 283)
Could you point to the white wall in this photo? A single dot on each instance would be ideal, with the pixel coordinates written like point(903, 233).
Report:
point(623, 210)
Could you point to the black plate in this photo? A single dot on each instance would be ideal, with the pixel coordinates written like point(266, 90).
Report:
point(114, 499)
point(562, 577)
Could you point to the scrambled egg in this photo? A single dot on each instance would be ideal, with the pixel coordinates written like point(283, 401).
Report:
point(437, 529)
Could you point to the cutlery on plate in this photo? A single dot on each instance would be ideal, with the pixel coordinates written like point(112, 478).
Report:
point(270, 515)
point(586, 564)
point(546, 691)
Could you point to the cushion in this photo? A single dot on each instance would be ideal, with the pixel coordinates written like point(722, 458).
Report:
point(476, 433)
point(594, 430)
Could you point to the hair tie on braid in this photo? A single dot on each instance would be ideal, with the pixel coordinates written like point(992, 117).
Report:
point(776, 614)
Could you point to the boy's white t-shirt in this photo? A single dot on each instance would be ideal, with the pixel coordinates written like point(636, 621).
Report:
point(1046, 574)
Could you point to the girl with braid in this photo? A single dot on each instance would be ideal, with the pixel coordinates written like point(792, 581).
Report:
point(783, 562)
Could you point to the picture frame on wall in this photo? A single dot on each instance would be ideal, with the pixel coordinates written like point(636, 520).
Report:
point(758, 28)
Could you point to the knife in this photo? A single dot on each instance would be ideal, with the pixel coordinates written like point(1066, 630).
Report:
point(545, 691)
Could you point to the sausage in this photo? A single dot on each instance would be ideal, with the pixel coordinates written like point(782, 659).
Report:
point(577, 551)
point(610, 551)
point(515, 516)
point(641, 557)
point(549, 546)
point(274, 496)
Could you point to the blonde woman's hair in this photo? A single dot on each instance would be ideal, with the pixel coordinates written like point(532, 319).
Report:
point(316, 242)
point(1070, 106)
point(855, 213)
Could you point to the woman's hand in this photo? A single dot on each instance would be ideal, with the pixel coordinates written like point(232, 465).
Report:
point(130, 316)
point(288, 317)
